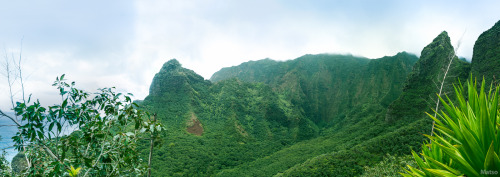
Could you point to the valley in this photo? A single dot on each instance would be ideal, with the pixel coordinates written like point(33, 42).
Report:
point(316, 115)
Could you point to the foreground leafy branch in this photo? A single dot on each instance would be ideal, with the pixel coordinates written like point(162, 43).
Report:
point(5, 169)
point(95, 133)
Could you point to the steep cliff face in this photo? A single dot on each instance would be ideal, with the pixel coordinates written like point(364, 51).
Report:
point(173, 78)
point(486, 55)
point(229, 123)
point(260, 118)
point(404, 127)
point(174, 91)
point(423, 83)
point(177, 92)
point(327, 87)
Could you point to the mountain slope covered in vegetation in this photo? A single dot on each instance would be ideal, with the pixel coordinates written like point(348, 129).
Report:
point(317, 115)
point(232, 122)
point(486, 55)
point(217, 126)
point(326, 87)
point(365, 134)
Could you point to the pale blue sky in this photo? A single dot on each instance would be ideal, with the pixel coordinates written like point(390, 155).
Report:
point(123, 43)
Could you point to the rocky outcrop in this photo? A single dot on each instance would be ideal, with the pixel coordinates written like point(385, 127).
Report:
point(421, 86)
point(174, 78)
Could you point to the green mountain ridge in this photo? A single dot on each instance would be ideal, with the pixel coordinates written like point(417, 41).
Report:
point(216, 126)
point(424, 81)
point(486, 54)
point(403, 131)
point(317, 115)
point(365, 134)
point(255, 117)
point(327, 86)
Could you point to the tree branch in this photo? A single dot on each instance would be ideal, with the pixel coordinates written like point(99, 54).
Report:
point(451, 56)
point(151, 148)
point(51, 154)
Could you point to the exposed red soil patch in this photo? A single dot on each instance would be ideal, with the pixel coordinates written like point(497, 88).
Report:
point(194, 126)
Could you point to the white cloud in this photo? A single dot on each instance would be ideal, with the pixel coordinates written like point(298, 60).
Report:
point(124, 44)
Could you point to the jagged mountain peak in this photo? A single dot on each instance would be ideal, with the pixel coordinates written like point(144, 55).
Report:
point(173, 78)
point(442, 35)
point(171, 65)
point(433, 58)
point(314, 113)
point(441, 43)
point(427, 72)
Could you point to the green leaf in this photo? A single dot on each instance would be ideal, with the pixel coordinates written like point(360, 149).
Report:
point(443, 166)
point(64, 103)
point(129, 134)
point(40, 135)
point(51, 126)
point(442, 173)
point(492, 161)
point(74, 172)
point(59, 127)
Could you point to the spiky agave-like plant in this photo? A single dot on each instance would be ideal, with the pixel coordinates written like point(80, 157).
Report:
point(468, 141)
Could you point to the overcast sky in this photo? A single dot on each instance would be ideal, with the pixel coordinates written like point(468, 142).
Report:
point(124, 43)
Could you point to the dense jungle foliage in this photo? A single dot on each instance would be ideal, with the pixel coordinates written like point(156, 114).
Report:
point(317, 115)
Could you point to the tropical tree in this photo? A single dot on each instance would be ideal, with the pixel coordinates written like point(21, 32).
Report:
point(467, 141)
point(87, 134)
point(5, 169)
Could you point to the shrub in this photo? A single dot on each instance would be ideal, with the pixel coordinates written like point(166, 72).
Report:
point(390, 166)
point(467, 140)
